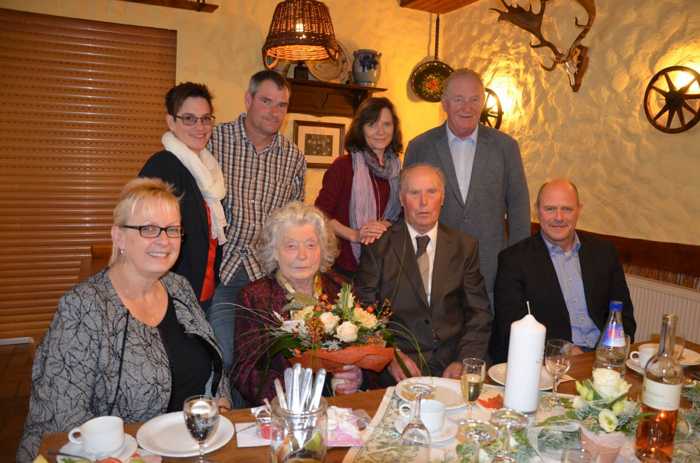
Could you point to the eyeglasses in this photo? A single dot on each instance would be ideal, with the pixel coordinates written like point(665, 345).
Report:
point(190, 119)
point(154, 231)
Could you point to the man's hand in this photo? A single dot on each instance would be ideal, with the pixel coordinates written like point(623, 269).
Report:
point(397, 372)
point(576, 350)
point(453, 370)
point(349, 380)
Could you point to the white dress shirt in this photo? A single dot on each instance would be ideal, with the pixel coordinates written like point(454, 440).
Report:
point(463, 151)
point(430, 250)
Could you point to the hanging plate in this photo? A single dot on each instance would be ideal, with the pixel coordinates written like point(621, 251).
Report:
point(332, 70)
point(428, 78)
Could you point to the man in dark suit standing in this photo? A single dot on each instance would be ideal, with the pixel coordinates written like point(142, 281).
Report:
point(486, 183)
point(568, 278)
point(430, 273)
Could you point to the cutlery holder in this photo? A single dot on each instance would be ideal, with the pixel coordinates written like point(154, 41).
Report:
point(298, 436)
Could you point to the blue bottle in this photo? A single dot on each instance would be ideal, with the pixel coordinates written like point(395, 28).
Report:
point(611, 351)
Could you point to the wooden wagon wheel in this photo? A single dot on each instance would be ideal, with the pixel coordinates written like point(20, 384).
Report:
point(492, 114)
point(668, 102)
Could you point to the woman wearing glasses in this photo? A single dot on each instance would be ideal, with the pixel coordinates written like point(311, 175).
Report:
point(186, 164)
point(131, 341)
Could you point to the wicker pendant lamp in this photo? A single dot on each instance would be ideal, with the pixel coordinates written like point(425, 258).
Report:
point(301, 30)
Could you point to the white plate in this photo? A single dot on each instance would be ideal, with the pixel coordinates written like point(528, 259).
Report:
point(445, 390)
point(123, 454)
point(448, 431)
point(329, 70)
point(689, 357)
point(498, 374)
point(167, 435)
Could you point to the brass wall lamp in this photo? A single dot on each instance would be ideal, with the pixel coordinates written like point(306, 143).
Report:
point(672, 99)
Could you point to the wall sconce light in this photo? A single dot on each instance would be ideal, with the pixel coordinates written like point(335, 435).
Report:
point(300, 30)
point(492, 114)
point(672, 99)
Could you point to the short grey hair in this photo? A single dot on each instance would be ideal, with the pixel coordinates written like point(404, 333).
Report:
point(407, 170)
point(295, 213)
point(259, 77)
point(460, 74)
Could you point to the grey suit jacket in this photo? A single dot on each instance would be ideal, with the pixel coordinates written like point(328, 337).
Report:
point(457, 321)
point(498, 188)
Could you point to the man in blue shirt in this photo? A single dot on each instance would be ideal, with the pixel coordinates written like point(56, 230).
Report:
point(569, 278)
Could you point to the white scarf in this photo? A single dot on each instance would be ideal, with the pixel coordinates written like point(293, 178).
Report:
point(209, 177)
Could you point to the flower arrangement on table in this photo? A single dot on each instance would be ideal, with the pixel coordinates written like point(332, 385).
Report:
point(320, 334)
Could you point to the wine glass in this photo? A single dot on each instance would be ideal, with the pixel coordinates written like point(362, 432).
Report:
point(473, 374)
point(415, 435)
point(557, 353)
point(509, 420)
point(577, 456)
point(479, 432)
point(201, 418)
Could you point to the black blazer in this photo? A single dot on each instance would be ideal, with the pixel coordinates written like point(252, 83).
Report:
point(526, 273)
point(457, 321)
point(192, 262)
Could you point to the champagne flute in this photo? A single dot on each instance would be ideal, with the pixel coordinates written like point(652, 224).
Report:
point(201, 418)
point(473, 374)
point(557, 353)
point(415, 435)
point(479, 432)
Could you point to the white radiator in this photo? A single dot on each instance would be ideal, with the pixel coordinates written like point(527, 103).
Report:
point(652, 299)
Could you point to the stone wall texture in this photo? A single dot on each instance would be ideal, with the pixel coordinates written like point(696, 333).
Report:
point(635, 181)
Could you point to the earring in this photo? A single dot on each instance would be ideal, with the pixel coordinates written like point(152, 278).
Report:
point(121, 251)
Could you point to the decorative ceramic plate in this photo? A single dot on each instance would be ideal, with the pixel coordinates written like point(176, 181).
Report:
point(428, 78)
point(329, 70)
point(445, 390)
point(498, 374)
point(168, 436)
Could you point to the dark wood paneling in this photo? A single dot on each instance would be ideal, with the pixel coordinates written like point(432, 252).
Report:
point(327, 98)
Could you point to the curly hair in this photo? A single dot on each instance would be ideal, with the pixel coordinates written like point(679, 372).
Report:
point(295, 213)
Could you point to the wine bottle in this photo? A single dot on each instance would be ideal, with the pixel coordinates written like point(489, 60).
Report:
point(661, 396)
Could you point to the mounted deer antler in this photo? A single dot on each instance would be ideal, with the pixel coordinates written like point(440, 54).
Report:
point(575, 60)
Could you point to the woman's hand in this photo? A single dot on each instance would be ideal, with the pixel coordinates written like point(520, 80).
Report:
point(350, 379)
point(224, 405)
point(371, 231)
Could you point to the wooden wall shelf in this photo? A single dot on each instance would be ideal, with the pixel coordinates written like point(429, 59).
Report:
point(194, 5)
point(436, 6)
point(326, 98)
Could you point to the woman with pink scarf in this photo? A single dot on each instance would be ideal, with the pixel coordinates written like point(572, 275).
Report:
point(360, 192)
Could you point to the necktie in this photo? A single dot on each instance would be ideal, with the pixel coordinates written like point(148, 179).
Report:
point(423, 260)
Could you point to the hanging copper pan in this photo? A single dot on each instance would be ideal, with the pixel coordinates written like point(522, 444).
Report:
point(428, 77)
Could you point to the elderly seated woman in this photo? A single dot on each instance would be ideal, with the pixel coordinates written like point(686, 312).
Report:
point(132, 340)
point(296, 249)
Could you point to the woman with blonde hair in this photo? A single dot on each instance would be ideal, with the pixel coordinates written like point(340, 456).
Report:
point(131, 340)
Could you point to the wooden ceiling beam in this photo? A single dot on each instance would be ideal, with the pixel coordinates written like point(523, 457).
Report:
point(435, 6)
point(194, 5)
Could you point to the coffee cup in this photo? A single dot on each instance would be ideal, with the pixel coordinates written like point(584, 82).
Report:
point(432, 413)
point(101, 436)
point(644, 353)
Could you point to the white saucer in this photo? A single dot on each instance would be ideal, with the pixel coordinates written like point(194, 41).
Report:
point(448, 431)
point(498, 374)
point(633, 364)
point(124, 453)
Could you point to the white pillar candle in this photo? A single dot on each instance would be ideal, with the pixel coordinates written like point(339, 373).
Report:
point(525, 352)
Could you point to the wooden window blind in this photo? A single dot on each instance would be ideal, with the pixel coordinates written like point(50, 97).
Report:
point(82, 110)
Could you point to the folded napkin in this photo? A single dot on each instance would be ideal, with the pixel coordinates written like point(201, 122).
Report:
point(247, 435)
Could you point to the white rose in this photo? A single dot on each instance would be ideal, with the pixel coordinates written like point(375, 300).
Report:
point(347, 332)
point(330, 321)
point(607, 420)
point(365, 318)
point(303, 314)
point(579, 402)
point(609, 384)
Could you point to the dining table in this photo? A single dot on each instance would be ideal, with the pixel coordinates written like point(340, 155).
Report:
point(581, 368)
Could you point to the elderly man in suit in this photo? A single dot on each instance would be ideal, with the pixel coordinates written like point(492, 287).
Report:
point(430, 273)
point(568, 278)
point(486, 183)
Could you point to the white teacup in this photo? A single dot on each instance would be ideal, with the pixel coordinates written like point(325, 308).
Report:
point(432, 413)
point(99, 436)
point(644, 353)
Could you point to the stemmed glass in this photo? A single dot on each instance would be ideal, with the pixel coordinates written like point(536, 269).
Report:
point(415, 435)
point(201, 418)
point(479, 432)
point(509, 420)
point(557, 353)
point(473, 374)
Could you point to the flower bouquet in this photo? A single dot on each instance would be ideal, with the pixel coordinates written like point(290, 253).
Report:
point(606, 416)
point(324, 335)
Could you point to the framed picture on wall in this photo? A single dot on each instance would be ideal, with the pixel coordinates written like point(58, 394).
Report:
point(320, 142)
